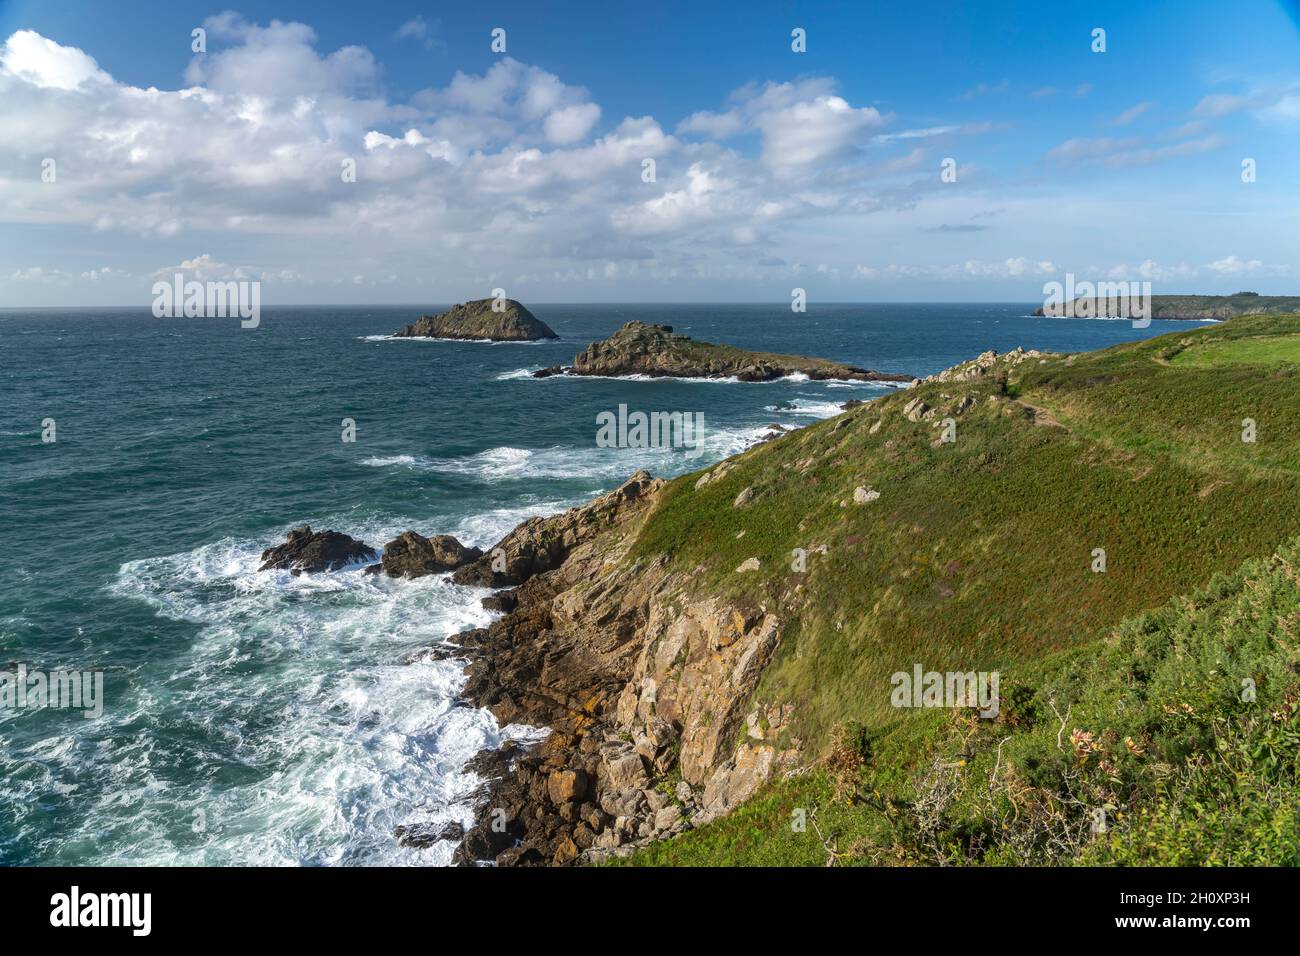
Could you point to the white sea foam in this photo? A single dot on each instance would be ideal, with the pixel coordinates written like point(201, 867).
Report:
point(638, 377)
point(519, 373)
point(508, 463)
point(805, 407)
point(300, 686)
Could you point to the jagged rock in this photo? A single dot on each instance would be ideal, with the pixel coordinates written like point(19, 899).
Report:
point(439, 652)
point(735, 781)
point(504, 601)
point(639, 348)
point(717, 473)
point(418, 836)
point(914, 409)
point(750, 564)
point(567, 785)
point(666, 818)
point(542, 544)
point(744, 498)
point(862, 496)
point(412, 555)
point(476, 320)
point(311, 552)
point(566, 852)
point(625, 772)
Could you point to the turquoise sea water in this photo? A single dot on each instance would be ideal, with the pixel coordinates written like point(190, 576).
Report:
point(258, 718)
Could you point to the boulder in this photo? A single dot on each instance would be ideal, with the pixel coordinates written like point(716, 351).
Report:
point(666, 818)
point(862, 496)
point(310, 551)
point(418, 836)
point(626, 771)
point(567, 786)
point(411, 555)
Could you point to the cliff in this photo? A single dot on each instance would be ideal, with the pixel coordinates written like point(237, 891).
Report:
point(1185, 307)
point(691, 641)
point(655, 350)
point(478, 322)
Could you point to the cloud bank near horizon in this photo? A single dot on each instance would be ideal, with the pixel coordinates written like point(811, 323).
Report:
point(512, 177)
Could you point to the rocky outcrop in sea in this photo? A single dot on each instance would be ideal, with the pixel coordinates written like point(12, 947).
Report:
point(639, 348)
point(307, 551)
point(479, 321)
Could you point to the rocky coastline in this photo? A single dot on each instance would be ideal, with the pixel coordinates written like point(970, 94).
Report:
point(1181, 308)
point(641, 685)
point(645, 679)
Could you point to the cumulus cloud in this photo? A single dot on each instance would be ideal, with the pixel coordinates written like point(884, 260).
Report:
point(571, 123)
point(46, 65)
point(508, 174)
point(801, 123)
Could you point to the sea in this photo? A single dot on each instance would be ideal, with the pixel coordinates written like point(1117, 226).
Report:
point(257, 718)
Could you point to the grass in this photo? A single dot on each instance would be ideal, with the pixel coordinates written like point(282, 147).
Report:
point(1143, 748)
point(978, 554)
point(1264, 351)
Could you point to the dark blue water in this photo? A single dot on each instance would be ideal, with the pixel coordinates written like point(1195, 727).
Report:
point(259, 718)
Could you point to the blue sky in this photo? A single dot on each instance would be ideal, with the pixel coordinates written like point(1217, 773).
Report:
point(523, 170)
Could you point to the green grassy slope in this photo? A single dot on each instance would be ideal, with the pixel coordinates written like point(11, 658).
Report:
point(977, 554)
point(1181, 728)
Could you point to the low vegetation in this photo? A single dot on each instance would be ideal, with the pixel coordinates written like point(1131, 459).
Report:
point(982, 554)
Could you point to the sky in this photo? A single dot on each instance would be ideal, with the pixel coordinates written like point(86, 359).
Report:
point(909, 152)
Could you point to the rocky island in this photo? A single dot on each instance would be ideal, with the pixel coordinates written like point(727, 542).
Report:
point(639, 348)
point(476, 321)
point(1191, 308)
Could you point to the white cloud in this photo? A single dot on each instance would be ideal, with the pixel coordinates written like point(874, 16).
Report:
point(510, 174)
point(45, 64)
point(1130, 114)
point(1119, 153)
point(571, 123)
point(1232, 266)
point(801, 123)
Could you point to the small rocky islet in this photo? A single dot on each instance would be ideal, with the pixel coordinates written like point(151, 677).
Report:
point(409, 555)
point(641, 348)
point(481, 320)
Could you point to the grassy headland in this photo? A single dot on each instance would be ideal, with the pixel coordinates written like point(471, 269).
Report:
point(979, 554)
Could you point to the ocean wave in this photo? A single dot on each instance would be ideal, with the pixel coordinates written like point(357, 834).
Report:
point(508, 463)
point(295, 694)
point(812, 409)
